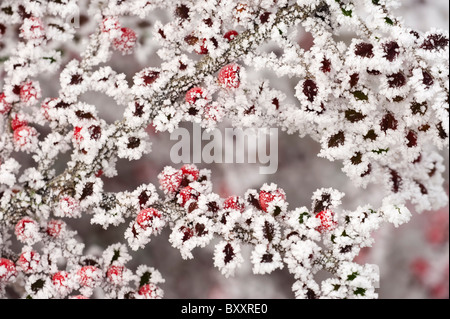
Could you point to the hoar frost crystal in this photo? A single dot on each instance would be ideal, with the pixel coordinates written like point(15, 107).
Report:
point(379, 104)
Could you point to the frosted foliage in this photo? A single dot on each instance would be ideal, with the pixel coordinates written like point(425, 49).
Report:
point(369, 89)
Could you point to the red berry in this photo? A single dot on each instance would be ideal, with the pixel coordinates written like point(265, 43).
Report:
point(234, 202)
point(30, 93)
point(68, 205)
point(126, 41)
point(229, 76)
point(195, 94)
point(7, 269)
point(110, 24)
point(170, 179)
point(27, 230)
point(190, 171)
point(54, 227)
point(29, 261)
point(265, 198)
point(230, 35)
point(23, 135)
point(17, 122)
point(145, 217)
point(115, 274)
point(327, 222)
point(5, 107)
point(88, 276)
point(186, 194)
point(60, 279)
point(149, 291)
point(32, 28)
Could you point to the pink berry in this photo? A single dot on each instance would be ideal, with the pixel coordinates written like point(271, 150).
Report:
point(110, 24)
point(149, 291)
point(170, 179)
point(5, 107)
point(229, 76)
point(190, 171)
point(27, 230)
point(145, 217)
point(54, 227)
point(230, 35)
point(195, 94)
point(88, 276)
point(17, 122)
point(30, 93)
point(115, 274)
point(23, 135)
point(68, 206)
point(126, 41)
point(186, 194)
point(28, 261)
point(265, 198)
point(234, 202)
point(60, 279)
point(7, 269)
point(327, 222)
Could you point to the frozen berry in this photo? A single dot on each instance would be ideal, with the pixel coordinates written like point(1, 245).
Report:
point(231, 35)
point(24, 135)
point(55, 227)
point(186, 194)
point(126, 41)
point(190, 172)
point(150, 291)
point(89, 276)
point(145, 217)
point(32, 29)
point(170, 179)
point(60, 279)
point(5, 107)
point(30, 92)
point(195, 94)
point(29, 261)
point(18, 121)
point(234, 202)
point(110, 24)
point(327, 222)
point(27, 230)
point(229, 76)
point(266, 198)
point(115, 274)
point(68, 206)
point(7, 269)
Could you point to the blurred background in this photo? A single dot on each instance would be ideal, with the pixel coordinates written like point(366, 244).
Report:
point(413, 259)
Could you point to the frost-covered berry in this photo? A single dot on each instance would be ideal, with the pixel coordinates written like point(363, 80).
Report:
point(170, 179)
point(126, 42)
point(115, 274)
point(55, 227)
point(32, 29)
point(18, 121)
point(68, 206)
point(327, 221)
point(195, 94)
point(7, 270)
point(110, 24)
point(186, 194)
point(77, 134)
point(234, 202)
point(24, 135)
point(145, 217)
point(60, 279)
point(88, 276)
point(150, 291)
point(203, 49)
point(30, 92)
point(5, 107)
point(267, 197)
point(190, 172)
point(229, 76)
point(231, 35)
point(29, 261)
point(27, 230)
